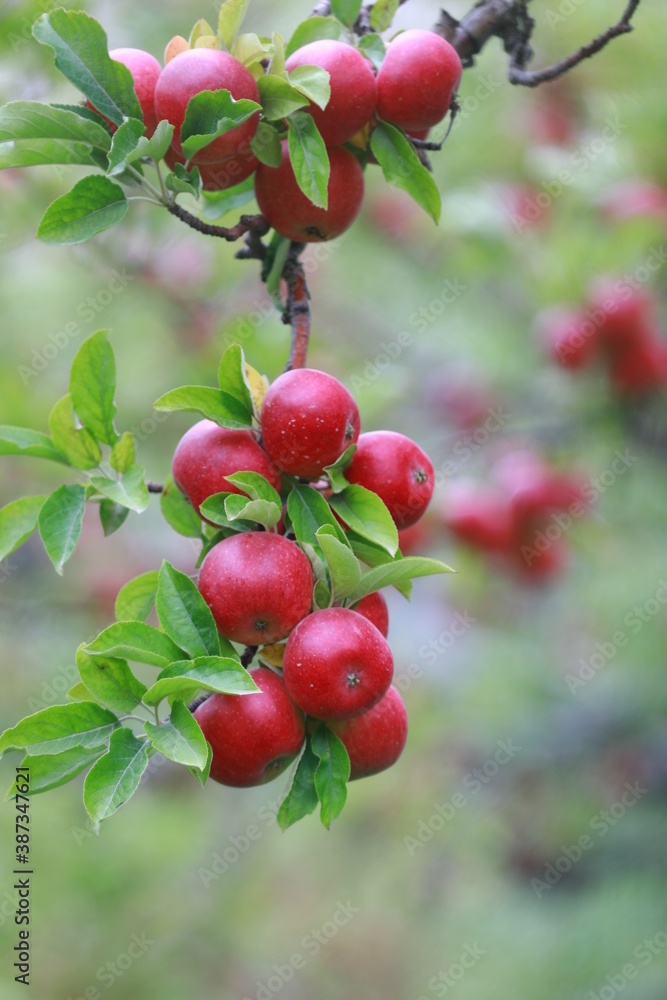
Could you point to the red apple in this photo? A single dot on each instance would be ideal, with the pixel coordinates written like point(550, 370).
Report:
point(621, 311)
point(337, 664)
point(375, 740)
point(207, 453)
point(258, 585)
point(641, 366)
point(194, 71)
point(293, 215)
point(397, 469)
point(478, 515)
point(374, 607)
point(353, 88)
point(145, 70)
point(254, 737)
point(568, 335)
point(417, 79)
point(220, 176)
point(308, 419)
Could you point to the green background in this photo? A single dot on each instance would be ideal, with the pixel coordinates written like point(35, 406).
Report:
point(221, 899)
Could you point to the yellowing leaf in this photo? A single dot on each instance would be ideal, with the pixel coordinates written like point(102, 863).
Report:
point(258, 387)
point(273, 655)
point(177, 45)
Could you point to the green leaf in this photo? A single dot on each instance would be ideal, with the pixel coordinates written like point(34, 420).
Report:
point(41, 152)
point(313, 29)
point(312, 82)
point(346, 11)
point(136, 598)
point(373, 47)
point(18, 521)
point(22, 441)
point(184, 181)
point(50, 771)
point(202, 29)
point(214, 404)
point(214, 509)
point(277, 65)
point(218, 203)
point(309, 158)
point(301, 799)
point(397, 572)
point(122, 453)
point(136, 641)
point(202, 773)
point(383, 14)
point(81, 51)
point(255, 486)
point(112, 516)
point(110, 681)
point(373, 555)
point(94, 204)
point(321, 595)
point(184, 614)
point(275, 264)
point(261, 511)
point(178, 511)
point(33, 120)
point(221, 674)
point(308, 511)
point(115, 777)
point(60, 520)
point(130, 144)
point(363, 511)
point(332, 774)
point(402, 167)
point(335, 471)
point(60, 727)
point(180, 739)
point(128, 491)
point(344, 568)
point(278, 98)
point(79, 692)
point(92, 385)
point(232, 378)
point(211, 114)
point(266, 146)
point(230, 19)
point(78, 443)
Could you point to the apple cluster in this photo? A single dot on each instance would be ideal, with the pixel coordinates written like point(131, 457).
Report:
point(330, 664)
point(520, 515)
point(617, 325)
point(412, 90)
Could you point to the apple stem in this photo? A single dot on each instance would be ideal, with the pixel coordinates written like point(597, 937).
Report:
point(248, 655)
point(297, 308)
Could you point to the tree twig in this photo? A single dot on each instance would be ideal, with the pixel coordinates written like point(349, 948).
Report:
point(255, 224)
point(521, 54)
point(297, 307)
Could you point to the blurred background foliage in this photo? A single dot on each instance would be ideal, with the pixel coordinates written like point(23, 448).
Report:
point(219, 898)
